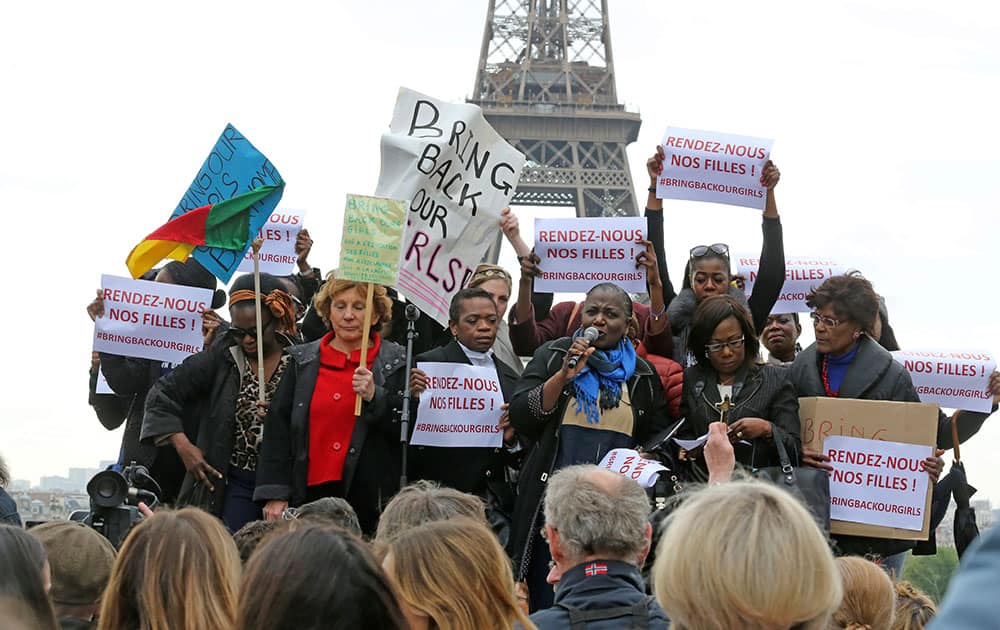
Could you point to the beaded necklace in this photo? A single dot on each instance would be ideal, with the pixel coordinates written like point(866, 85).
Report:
point(826, 380)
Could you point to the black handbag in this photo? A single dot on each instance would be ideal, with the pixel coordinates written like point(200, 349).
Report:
point(810, 485)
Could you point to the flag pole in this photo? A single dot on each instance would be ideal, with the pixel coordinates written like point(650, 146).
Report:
point(365, 333)
point(261, 394)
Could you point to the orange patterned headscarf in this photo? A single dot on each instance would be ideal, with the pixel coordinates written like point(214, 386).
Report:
point(278, 302)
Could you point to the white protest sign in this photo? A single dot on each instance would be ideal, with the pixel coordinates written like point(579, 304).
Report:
point(712, 166)
point(102, 386)
point(877, 483)
point(150, 320)
point(460, 407)
point(578, 253)
point(628, 463)
point(802, 274)
point(277, 253)
point(457, 174)
point(952, 379)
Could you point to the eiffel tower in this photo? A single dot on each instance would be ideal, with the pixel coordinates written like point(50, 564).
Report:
point(546, 83)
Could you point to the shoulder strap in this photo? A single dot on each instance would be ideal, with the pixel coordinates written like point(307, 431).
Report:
point(572, 316)
point(786, 464)
point(639, 612)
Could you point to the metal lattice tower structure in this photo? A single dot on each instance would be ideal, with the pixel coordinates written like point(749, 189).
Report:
point(546, 83)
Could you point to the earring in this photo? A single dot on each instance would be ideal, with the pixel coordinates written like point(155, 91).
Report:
point(856, 335)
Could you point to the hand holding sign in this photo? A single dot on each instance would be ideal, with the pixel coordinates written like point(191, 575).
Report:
point(418, 382)
point(96, 308)
point(647, 258)
point(654, 165)
point(934, 465)
point(769, 178)
point(303, 245)
point(363, 383)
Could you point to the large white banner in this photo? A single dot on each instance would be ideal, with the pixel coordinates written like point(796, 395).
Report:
point(955, 379)
point(877, 483)
point(150, 320)
point(460, 407)
point(277, 253)
point(457, 174)
point(713, 166)
point(578, 253)
point(802, 274)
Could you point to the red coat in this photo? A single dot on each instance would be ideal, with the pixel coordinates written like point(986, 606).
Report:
point(671, 375)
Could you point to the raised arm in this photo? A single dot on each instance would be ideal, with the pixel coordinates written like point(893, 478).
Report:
point(654, 221)
point(771, 275)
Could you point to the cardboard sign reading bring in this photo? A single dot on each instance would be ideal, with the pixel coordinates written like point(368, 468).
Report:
point(954, 379)
point(576, 254)
point(460, 407)
point(150, 320)
point(885, 421)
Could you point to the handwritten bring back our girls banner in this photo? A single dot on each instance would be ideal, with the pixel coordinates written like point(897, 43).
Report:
point(457, 174)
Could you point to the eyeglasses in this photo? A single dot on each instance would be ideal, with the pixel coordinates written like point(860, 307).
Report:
point(718, 347)
point(702, 250)
point(828, 322)
point(300, 308)
point(238, 334)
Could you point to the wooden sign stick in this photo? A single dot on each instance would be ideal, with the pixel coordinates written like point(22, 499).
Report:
point(365, 333)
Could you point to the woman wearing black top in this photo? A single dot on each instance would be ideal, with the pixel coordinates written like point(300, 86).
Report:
point(727, 383)
point(708, 270)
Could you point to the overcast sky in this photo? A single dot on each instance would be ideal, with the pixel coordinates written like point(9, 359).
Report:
point(883, 115)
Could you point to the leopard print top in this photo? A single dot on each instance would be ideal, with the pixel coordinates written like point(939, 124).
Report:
point(249, 428)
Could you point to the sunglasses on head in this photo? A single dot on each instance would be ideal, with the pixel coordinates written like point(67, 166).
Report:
point(701, 251)
point(239, 334)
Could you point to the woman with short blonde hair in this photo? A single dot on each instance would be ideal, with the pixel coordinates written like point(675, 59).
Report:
point(453, 575)
point(317, 443)
point(748, 556)
point(914, 610)
point(869, 597)
point(176, 571)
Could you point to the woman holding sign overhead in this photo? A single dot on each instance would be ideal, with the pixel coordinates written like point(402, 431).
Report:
point(708, 269)
point(845, 362)
point(578, 398)
point(314, 445)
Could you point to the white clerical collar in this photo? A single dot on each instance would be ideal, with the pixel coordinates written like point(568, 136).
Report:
point(477, 358)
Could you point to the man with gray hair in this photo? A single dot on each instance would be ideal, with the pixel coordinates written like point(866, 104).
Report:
point(596, 523)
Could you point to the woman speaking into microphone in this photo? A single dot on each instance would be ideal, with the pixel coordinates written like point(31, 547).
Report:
point(578, 398)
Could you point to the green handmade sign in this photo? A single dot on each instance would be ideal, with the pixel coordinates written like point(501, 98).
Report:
point(373, 235)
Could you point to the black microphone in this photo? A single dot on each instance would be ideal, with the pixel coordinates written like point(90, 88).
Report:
point(591, 335)
point(412, 312)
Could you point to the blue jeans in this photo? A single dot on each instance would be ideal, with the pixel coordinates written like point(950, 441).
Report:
point(239, 508)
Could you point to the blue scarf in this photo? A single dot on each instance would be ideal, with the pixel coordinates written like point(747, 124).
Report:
point(602, 377)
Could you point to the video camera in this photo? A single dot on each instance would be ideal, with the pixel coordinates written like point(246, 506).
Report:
point(114, 500)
